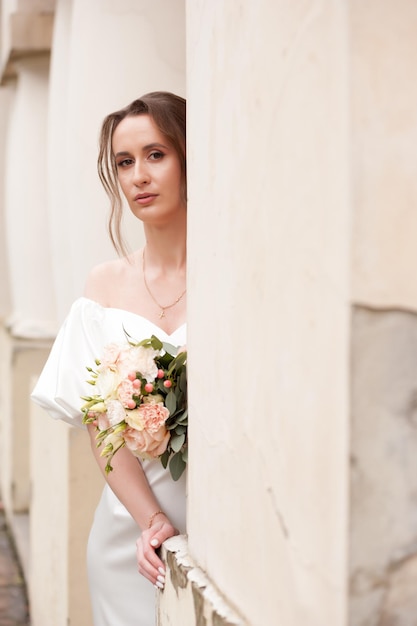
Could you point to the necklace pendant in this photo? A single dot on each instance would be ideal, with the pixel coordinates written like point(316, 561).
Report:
point(162, 314)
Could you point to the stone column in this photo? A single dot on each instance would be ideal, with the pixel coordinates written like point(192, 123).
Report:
point(25, 203)
point(31, 309)
point(6, 100)
point(383, 529)
point(27, 314)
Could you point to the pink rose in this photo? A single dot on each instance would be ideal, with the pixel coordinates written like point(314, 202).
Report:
point(154, 415)
point(145, 444)
point(125, 392)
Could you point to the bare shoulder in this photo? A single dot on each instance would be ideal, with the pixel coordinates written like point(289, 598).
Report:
point(106, 281)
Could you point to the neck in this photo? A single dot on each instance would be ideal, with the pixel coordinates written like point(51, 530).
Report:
point(166, 249)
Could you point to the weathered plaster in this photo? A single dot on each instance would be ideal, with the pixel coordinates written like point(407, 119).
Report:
point(383, 532)
point(190, 597)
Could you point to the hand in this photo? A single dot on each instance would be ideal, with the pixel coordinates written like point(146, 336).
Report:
point(149, 563)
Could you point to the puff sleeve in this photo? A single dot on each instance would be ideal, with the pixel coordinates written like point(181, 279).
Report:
point(63, 379)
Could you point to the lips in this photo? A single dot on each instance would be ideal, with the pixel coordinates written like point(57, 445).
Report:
point(145, 198)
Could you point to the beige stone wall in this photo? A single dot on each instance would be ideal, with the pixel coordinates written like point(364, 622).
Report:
point(383, 522)
point(384, 138)
point(268, 306)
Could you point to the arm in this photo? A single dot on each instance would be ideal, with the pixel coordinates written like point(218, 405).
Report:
point(129, 483)
point(128, 480)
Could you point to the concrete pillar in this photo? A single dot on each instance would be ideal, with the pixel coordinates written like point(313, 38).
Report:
point(6, 99)
point(269, 323)
point(26, 251)
point(25, 204)
point(65, 488)
point(383, 525)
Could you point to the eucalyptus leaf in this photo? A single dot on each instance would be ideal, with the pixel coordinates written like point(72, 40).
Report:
point(180, 429)
point(185, 455)
point(184, 417)
point(171, 402)
point(176, 442)
point(160, 386)
point(183, 381)
point(176, 466)
point(168, 347)
point(164, 458)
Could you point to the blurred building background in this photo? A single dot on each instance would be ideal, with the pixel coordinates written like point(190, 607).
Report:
point(302, 170)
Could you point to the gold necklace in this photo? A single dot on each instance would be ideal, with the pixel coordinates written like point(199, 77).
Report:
point(163, 308)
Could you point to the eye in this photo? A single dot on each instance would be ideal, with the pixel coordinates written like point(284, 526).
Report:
point(156, 155)
point(124, 162)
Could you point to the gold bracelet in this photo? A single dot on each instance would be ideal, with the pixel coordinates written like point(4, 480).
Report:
point(152, 517)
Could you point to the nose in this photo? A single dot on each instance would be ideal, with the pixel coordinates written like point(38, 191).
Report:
point(140, 173)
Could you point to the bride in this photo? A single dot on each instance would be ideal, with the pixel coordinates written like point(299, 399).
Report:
point(142, 157)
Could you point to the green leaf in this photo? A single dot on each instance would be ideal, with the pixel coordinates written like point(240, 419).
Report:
point(171, 402)
point(185, 454)
point(164, 458)
point(183, 381)
point(180, 429)
point(156, 343)
point(183, 419)
point(176, 442)
point(178, 362)
point(168, 347)
point(160, 387)
point(177, 466)
point(129, 338)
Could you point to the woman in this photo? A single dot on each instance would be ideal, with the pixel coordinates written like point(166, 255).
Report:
point(142, 155)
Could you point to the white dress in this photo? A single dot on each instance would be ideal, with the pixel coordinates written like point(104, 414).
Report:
point(120, 596)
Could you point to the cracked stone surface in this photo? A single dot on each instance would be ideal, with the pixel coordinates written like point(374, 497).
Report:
point(383, 522)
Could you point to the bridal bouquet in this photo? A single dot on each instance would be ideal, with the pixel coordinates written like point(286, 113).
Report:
point(140, 402)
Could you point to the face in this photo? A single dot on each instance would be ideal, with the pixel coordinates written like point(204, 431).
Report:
point(148, 170)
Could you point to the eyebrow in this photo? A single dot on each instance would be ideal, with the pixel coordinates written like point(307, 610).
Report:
point(148, 146)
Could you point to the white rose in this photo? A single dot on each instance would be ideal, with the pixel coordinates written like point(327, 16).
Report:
point(107, 382)
point(115, 412)
point(138, 359)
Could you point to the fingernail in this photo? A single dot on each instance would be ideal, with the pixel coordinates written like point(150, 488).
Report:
point(154, 542)
point(161, 579)
point(159, 584)
point(161, 571)
point(156, 587)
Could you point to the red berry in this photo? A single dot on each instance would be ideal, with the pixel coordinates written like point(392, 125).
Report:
point(167, 384)
point(149, 387)
point(161, 373)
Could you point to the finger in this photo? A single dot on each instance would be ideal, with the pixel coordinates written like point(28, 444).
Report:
point(149, 564)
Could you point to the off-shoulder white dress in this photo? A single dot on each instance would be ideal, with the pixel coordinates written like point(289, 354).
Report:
point(120, 595)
